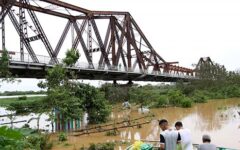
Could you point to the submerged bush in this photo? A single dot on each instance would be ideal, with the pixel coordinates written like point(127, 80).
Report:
point(175, 97)
point(26, 106)
point(21, 139)
point(102, 146)
point(22, 97)
point(62, 137)
point(111, 133)
point(161, 101)
point(186, 103)
point(199, 97)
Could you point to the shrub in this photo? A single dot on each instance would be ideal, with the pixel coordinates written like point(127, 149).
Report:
point(199, 97)
point(21, 139)
point(39, 142)
point(186, 103)
point(111, 133)
point(22, 97)
point(26, 106)
point(232, 91)
point(62, 137)
point(161, 101)
point(175, 97)
point(102, 146)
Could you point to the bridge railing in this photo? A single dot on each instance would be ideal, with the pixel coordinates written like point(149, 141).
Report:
point(83, 65)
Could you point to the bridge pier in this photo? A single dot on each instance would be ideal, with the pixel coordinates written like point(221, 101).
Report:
point(115, 83)
point(130, 82)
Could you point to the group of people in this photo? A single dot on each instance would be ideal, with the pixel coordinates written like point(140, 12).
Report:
point(180, 138)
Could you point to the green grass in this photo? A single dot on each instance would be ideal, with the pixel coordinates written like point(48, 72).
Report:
point(7, 101)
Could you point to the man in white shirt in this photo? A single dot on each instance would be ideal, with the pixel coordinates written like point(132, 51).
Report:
point(168, 137)
point(186, 138)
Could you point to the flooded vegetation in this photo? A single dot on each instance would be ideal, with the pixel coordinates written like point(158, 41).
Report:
point(76, 114)
point(218, 118)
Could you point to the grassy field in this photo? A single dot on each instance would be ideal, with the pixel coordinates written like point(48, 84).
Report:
point(8, 101)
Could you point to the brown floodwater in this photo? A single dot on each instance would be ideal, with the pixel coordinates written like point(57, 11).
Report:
point(218, 118)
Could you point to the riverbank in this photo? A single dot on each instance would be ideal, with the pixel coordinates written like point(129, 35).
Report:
point(216, 118)
point(7, 100)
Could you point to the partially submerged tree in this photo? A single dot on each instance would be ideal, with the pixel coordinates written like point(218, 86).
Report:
point(70, 97)
point(72, 56)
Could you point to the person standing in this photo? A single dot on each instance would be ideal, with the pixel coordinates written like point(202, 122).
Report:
point(186, 138)
point(206, 143)
point(168, 137)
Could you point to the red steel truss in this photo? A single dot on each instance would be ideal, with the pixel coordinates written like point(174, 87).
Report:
point(123, 42)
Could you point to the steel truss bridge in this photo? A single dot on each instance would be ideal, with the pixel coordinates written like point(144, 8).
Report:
point(115, 50)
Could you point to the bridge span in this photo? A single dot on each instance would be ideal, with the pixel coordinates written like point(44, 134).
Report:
point(111, 43)
point(30, 69)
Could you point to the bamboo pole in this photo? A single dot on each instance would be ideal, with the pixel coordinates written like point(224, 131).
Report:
point(116, 128)
point(121, 122)
point(14, 122)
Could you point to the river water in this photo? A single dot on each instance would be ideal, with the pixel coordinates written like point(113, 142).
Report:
point(218, 118)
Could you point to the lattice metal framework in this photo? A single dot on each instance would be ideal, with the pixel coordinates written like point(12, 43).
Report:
point(124, 44)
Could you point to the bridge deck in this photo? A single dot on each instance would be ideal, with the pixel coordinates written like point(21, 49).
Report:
point(39, 70)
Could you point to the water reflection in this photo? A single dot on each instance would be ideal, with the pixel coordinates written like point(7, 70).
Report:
point(10, 119)
point(218, 118)
point(45, 123)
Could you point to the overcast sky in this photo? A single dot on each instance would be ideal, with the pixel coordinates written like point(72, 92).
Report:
point(179, 30)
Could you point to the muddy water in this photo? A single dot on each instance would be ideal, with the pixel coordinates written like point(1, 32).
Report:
point(218, 118)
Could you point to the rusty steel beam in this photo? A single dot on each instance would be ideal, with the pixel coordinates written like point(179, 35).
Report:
point(154, 53)
point(113, 39)
point(62, 38)
point(101, 64)
point(133, 43)
point(76, 41)
point(117, 32)
point(109, 13)
point(79, 34)
point(100, 42)
point(42, 34)
point(92, 17)
point(41, 10)
point(68, 6)
point(3, 35)
point(6, 7)
point(129, 56)
point(120, 40)
point(25, 41)
point(120, 50)
point(138, 52)
point(146, 40)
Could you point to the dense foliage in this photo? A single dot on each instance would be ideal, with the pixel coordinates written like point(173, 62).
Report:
point(102, 146)
point(115, 93)
point(72, 55)
point(214, 82)
point(4, 60)
point(21, 139)
point(72, 98)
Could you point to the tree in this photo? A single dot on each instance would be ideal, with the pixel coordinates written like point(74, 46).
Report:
point(4, 60)
point(71, 98)
point(94, 103)
point(141, 95)
point(5, 74)
point(72, 55)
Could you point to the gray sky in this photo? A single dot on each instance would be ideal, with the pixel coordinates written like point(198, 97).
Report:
point(179, 30)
